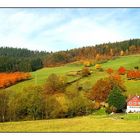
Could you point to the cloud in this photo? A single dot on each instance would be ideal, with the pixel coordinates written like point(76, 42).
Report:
point(22, 29)
point(85, 31)
point(61, 29)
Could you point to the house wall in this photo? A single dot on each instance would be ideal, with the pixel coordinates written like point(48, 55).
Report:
point(133, 109)
point(133, 105)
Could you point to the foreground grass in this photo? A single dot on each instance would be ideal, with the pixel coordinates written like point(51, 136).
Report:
point(89, 123)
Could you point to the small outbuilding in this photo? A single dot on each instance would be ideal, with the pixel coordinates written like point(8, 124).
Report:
point(133, 104)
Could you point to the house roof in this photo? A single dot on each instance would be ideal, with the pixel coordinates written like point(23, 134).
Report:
point(133, 97)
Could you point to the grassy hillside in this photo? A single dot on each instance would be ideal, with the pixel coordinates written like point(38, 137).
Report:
point(91, 123)
point(129, 62)
point(39, 77)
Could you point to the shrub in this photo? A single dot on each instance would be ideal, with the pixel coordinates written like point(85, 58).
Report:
point(121, 70)
point(78, 103)
point(97, 66)
point(28, 104)
point(55, 83)
point(16, 106)
point(72, 103)
point(61, 111)
point(8, 79)
point(35, 102)
point(133, 74)
point(116, 99)
point(101, 111)
point(116, 80)
point(96, 105)
point(85, 72)
point(101, 69)
point(109, 71)
point(87, 63)
point(111, 109)
point(51, 106)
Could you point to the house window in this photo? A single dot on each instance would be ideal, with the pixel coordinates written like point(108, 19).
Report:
point(130, 103)
point(138, 103)
point(135, 103)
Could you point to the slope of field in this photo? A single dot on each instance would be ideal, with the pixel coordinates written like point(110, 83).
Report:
point(129, 62)
point(91, 123)
point(39, 77)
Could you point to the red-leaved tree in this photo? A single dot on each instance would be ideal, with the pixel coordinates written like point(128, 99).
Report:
point(122, 71)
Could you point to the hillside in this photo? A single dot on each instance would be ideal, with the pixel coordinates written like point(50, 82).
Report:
point(39, 77)
point(128, 62)
point(95, 122)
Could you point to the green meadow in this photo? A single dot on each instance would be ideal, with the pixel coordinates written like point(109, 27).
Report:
point(129, 62)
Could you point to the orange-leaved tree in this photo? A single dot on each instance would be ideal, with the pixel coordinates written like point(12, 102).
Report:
point(8, 79)
point(109, 70)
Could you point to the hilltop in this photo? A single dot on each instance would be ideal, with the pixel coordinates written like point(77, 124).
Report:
point(16, 59)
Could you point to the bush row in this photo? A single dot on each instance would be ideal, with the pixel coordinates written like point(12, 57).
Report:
point(133, 74)
point(33, 103)
point(8, 79)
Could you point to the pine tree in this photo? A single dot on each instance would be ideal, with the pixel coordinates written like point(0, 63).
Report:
point(117, 99)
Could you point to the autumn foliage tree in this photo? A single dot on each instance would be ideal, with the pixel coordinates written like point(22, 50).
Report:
point(87, 63)
point(121, 52)
point(98, 66)
point(8, 79)
point(102, 88)
point(109, 71)
point(85, 72)
point(55, 84)
point(133, 74)
point(122, 71)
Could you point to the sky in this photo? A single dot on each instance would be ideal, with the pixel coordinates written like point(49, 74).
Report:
point(55, 29)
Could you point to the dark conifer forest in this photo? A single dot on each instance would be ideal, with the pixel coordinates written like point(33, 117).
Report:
point(16, 59)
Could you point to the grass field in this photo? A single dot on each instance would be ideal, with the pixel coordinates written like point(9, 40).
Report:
point(39, 77)
point(91, 123)
point(129, 62)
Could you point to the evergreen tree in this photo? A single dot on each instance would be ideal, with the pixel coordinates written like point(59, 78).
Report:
point(117, 99)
